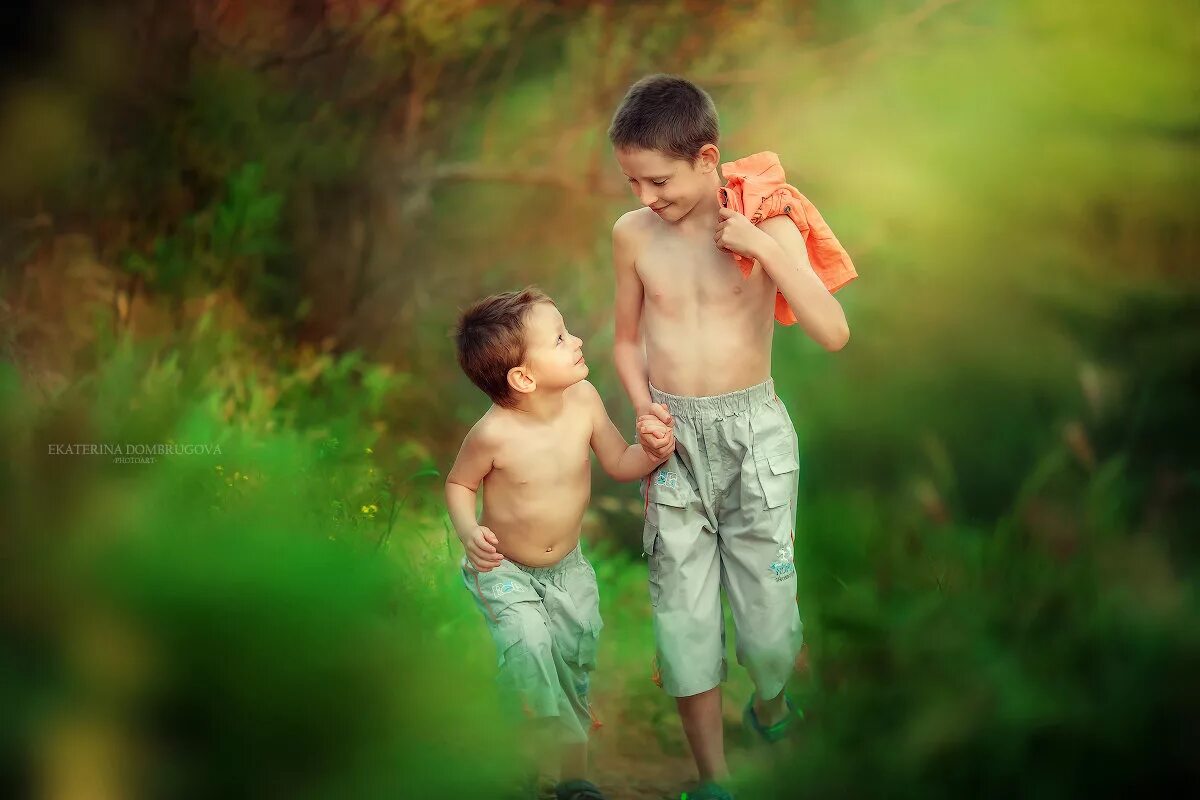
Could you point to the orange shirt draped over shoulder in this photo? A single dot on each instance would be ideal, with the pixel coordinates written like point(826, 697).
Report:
point(757, 187)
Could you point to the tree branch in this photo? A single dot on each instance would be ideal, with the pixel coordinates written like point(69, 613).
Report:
point(525, 177)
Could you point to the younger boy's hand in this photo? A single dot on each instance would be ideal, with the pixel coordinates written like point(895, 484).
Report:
point(656, 432)
point(481, 549)
point(665, 441)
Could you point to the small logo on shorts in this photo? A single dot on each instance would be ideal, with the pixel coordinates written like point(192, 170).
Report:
point(782, 567)
point(667, 478)
point(508, 587)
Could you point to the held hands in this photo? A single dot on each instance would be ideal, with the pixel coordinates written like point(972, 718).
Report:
point(738, 235)
point(480, 546)
point(656, 431)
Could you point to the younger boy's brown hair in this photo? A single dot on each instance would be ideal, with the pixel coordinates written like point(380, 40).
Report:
point(490, 339)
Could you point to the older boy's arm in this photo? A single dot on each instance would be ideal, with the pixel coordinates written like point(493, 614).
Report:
point(462, 487)
point(628, 352)
point(622, 462)
point(785, 258)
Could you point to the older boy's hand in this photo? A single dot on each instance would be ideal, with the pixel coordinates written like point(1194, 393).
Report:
point(658, 410)
point(738, 235)
point(481, 549)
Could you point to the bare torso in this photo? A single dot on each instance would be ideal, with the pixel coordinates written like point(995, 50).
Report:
point(707, 329)
point(540, 482)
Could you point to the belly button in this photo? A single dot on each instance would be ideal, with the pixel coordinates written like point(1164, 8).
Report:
point(549, 549)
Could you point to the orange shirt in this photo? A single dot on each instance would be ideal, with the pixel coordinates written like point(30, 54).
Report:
point(758, 188)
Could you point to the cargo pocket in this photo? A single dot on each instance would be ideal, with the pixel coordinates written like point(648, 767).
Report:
point(651, 546)
point(589, 645)
point(777, 475)
point(668, 493)
point(774, 446)
point(508, 640)
point(513, 667)
point(668, 497)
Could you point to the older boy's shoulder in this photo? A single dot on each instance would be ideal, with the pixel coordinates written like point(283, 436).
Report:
point(632, 223)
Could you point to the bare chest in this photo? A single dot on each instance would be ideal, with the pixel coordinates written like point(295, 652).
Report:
point(682, 274)
point(552, 457)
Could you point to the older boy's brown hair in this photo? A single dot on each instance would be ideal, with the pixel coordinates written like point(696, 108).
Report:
point(668, 114)
point(490, 339)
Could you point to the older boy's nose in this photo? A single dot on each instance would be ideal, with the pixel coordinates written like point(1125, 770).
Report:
point(646, 198)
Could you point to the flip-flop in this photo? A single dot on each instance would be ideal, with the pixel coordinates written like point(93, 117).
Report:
point(707, 791)
point(578, 790)
point(772, 733)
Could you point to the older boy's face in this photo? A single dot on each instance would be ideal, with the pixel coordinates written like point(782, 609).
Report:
point(554, 356)
point(670, 187)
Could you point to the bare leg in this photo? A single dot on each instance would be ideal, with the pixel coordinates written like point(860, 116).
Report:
point(701, 717)
point(771, 711)
point(774, 709)
point(574, 762)
point(554, 760)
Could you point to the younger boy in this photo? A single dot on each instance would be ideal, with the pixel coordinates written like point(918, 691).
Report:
point(523, 563)
point(697, 287)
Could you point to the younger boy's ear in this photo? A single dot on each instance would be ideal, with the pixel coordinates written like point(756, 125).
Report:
point(521, 380)
point(708, 159)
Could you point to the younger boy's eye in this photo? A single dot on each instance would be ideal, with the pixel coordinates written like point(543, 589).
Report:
point(560, 338)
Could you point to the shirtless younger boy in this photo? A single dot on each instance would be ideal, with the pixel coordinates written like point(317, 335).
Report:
point(523, 565)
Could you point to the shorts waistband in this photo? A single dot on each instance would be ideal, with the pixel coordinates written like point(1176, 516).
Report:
point(717, 405)
point(569, 560)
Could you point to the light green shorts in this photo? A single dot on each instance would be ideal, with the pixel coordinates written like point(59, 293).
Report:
point(720, 513)
point(545, 623)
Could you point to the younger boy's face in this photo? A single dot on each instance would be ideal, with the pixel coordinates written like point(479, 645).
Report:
point(669, 186)
point(553, 355)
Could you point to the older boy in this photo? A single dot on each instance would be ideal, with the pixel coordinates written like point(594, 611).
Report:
point(697, 287)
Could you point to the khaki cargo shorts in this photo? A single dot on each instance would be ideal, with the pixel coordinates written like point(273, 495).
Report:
point(545, 623)
point(720, 514)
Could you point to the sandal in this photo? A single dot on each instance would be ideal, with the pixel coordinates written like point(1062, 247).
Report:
point(707, 791)
point(779, 730)
point(578, 790)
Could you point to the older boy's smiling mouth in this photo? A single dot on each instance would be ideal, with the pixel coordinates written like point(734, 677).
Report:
point(659, 209)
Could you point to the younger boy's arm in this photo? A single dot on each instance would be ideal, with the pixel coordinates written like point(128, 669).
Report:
point(779, 246)
point(462, 487)
point(623, 462)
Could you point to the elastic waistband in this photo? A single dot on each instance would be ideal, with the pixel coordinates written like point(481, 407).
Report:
point(569, 560)
point(717, 405)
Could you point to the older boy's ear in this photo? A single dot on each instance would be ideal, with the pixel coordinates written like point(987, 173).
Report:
point(520, 379)
point(708, 159)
